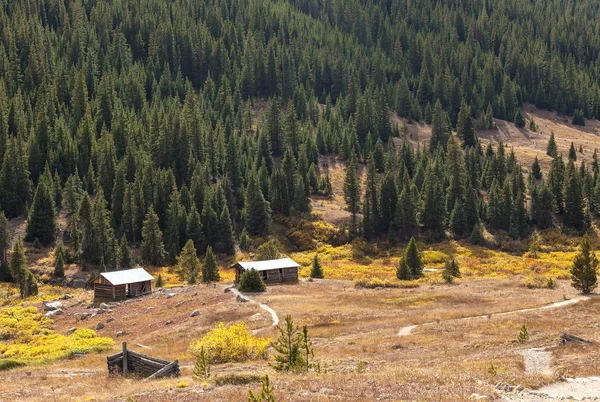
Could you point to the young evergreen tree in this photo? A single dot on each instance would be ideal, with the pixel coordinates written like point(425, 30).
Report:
point(288, 348)
point(317, 270)
point(18, 269)
point(451, 271)
point(251, 281)
point(572, 153)
point(578, 119)
point(188, 264)
point(41, 223)
point(583, 271)
point(194, 229)
point(412, 259)
point(536, 170)
point(476, 237)
point(458, 219)
point(210, 269)
point(152, 243)
point(301, 201)
point(552, 148)
point(59, 260)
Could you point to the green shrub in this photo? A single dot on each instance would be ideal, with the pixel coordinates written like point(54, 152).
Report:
point(251, 281)
point(237, 379)
point(9, 364)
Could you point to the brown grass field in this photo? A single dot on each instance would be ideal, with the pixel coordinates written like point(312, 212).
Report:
point(446, 357)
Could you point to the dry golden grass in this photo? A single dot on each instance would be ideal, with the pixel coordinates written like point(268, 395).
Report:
point(355, 337)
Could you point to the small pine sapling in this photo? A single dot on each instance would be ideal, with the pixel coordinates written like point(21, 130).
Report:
point(159, 281)
point(523, 335)
point(266, 393)
point(316, 270)
point(202, 365)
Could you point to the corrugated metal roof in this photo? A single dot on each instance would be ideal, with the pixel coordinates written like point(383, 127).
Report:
point(127, 276)
point(269, 264)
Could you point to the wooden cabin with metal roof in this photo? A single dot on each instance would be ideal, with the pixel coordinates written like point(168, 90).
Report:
point(272, 271)
point(123, 284)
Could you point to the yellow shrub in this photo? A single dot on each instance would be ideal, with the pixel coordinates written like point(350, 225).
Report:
point(231, 343)
point(27, 336)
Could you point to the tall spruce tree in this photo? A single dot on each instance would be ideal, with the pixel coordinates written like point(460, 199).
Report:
point(584, 269)
point(257, 215)
point(210, 269)
point(152, 242)
point(41, 224)
point(352, 192)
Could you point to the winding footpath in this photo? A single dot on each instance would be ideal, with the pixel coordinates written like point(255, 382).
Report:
point(273, 313)
point(407, 330)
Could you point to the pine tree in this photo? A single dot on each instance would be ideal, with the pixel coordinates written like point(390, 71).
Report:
point(152, 244)
point(574, 214)
point(458, 220)
point(18, 269)
point(578, 119)
point(552, 149)
point(518, 119)
point(464, 127)
point(251, 281)
point(412, 259)
point(4, 245)
point(406, 210)
point(244, 240)
point(257, 215)
point(451, 271)
point(288, 348)
point(210, 269)
point(202, 365)
point(433, 211)
point(159, 281)
point(371, 218)
point(41, 223)
point(59, 260)
point(194, 229)
point(124, 254)
point(352, 192)
point(301, 201)
point(188, 264)
point(226, 243)
point(316, 271)
point(476, 237)
point(583, 271)
point(536, 171)
point(572, 153)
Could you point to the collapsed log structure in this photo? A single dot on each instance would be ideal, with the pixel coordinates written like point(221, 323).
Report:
point(128, 361)
point(564, 338)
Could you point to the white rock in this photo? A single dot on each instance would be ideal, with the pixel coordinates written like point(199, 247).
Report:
point(104, 306)
point(120, 333)
point(55, 305)
point(168, 322)
point(169, 295)
point(54, 313)
point(71, 330)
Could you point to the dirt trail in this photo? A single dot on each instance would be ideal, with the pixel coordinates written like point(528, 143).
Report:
point(407, 330)
point(263, 306)
point(537, 361)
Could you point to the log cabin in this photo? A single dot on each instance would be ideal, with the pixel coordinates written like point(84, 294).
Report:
point(122, 284)
point(272, 271)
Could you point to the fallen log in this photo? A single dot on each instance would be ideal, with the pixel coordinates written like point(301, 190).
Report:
point(174, 365)
point(564, 338)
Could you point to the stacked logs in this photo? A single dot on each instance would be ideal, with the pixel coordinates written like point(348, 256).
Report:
point(129, 361)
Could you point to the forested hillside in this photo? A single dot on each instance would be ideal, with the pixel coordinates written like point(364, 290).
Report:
point(143, 121)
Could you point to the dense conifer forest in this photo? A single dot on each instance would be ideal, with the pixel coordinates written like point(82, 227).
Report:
point(150, 123)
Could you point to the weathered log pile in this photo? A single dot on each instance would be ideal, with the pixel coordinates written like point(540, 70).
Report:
point(129, 361)
point(564, 338)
